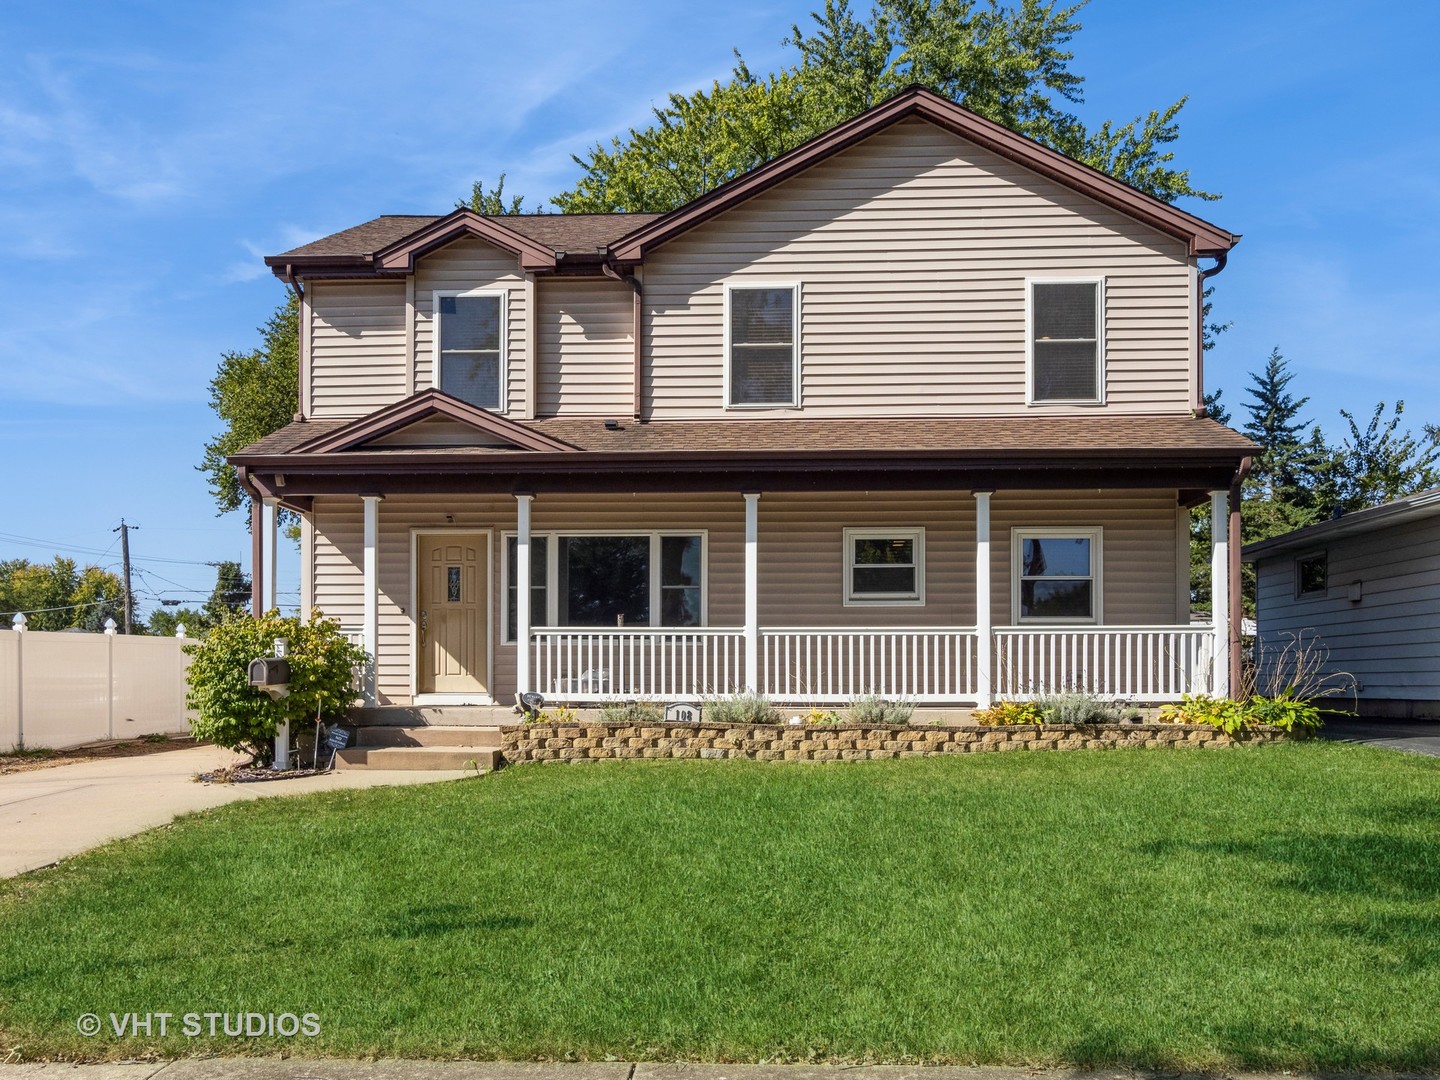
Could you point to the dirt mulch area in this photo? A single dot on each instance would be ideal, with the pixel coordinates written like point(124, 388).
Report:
point(29, 760)
point(254, 774)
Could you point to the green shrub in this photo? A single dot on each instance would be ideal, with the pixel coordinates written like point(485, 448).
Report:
point(1077, 709)
point(1284, 711)
point(817, 715)
point(634, 712)
point(1010, 713)
point(874, 709)
point(746, 708)
point(233, 714)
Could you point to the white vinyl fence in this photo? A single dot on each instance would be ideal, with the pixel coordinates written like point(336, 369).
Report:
point(61, 690)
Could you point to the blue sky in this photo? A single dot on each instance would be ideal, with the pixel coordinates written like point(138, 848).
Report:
point(152, 153)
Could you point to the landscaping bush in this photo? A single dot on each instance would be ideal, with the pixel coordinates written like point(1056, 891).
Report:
point(634, 712)
point(233, 714)
point(1009, 713)
point(1284, 711)
point(874, 709)
point(744, 708)
point(1077, 709)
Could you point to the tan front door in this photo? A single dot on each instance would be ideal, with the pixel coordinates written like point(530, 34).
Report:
point(452, 575)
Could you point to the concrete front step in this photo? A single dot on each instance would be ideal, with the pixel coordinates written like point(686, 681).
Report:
point(421, 735)
point(418, 758)
point(431, 716)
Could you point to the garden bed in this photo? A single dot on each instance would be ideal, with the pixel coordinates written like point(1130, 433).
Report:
point(593, 740)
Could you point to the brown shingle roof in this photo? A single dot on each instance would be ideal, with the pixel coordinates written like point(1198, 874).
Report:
point(562, 232)
point(1028, 436)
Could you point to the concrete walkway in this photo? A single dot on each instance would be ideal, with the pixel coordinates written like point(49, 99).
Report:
point(323, 1069)
point(51, 814)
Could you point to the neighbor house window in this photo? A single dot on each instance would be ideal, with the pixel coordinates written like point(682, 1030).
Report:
point(885, 566)
point(1067, 345)
point(1311, 576)
point(608, 581)
point(1057, 575)
point(469, 350)
point(763, 361)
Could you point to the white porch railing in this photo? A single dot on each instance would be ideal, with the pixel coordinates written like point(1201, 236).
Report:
point(827, 666)
point(640, 663)
point(1148, 663)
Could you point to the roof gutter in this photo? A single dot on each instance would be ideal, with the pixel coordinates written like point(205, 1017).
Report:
point(294, 285)
point(611, 271)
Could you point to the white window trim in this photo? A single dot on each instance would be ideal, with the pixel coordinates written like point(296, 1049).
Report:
point(1099, 283)
point(1019, 535)
point(794, 287)
point(916, 599)
point(552, 574)
point(437, 357)
point(1314, 594)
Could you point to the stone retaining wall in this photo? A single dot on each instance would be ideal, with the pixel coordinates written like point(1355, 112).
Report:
point(594, 740)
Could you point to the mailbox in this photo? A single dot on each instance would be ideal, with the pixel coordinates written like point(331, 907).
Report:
point(271, 674)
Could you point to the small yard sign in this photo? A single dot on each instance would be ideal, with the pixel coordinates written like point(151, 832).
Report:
point(338, 738)
point(682, 712)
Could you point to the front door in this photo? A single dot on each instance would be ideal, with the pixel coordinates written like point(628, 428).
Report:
point(452, 575)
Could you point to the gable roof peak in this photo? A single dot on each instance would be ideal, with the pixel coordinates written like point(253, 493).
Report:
point(423, 406)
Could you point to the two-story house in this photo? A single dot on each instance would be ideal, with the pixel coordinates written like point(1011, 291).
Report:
point(914, 409)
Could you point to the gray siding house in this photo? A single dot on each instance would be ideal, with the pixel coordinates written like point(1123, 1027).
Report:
point(914, 409)
point(1366, 586)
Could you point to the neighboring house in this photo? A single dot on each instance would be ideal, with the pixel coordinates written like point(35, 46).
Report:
point(914, 409)
point(1365, 589)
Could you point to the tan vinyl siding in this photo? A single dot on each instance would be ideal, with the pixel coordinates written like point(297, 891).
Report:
point(356, 356)
point(1137, 549)
point(801, 555)
point(467, 265)
point(912, 250)
point(1390, 639)
point(586, 348)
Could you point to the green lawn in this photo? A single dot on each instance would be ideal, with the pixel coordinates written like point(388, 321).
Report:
point(1268, 907)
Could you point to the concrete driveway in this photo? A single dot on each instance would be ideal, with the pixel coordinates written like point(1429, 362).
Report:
point(1411, 736)
point(51, 814)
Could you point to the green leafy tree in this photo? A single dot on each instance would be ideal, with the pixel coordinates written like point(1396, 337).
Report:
point(60, 595)
point(492, 202)
point(164, 622)
point(253, 393)
point(231, 713)
point(1378, 463)
point(1008, 63)
point(231, 595)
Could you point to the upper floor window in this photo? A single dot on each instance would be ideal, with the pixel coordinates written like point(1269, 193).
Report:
point(1067, 341)
point(762, 364)
point(469, 347)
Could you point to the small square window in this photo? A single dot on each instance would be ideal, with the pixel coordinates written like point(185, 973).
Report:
point(1056, 575)
point(885, 566)
point(1311, 576)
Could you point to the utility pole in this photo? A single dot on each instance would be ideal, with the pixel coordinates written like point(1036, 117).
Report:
point(124, 531)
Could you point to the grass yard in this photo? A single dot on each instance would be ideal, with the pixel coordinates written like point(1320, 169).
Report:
point(1273, 907)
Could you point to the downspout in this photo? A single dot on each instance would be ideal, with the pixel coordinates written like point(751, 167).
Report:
point(1237, 604)
point(1220, 260)
point(629, 279)
point(300, 293)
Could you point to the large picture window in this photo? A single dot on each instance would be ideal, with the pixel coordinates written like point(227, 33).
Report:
point(641, 579)
point(762, 365)
point(469, 347)
point(1066, 341)
point(885, 566)
point(1057, 575)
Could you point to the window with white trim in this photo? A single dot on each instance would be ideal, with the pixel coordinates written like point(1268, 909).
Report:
point(1056, 575)
point(762, 363)
point(1312, 576)
point(885, 566)
point(615, 579)
point(470, 347)
point(1067, 346)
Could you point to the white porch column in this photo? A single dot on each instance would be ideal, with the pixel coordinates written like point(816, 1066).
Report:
point(270, 518)
point(1220, 598)
point(752, 591)
point(984, 645)
point(522, 593)
point(371, 630)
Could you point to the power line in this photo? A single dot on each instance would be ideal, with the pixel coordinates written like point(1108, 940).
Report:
point(33, 541)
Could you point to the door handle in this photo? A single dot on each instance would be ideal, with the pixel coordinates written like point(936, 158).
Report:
point(424, 625)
